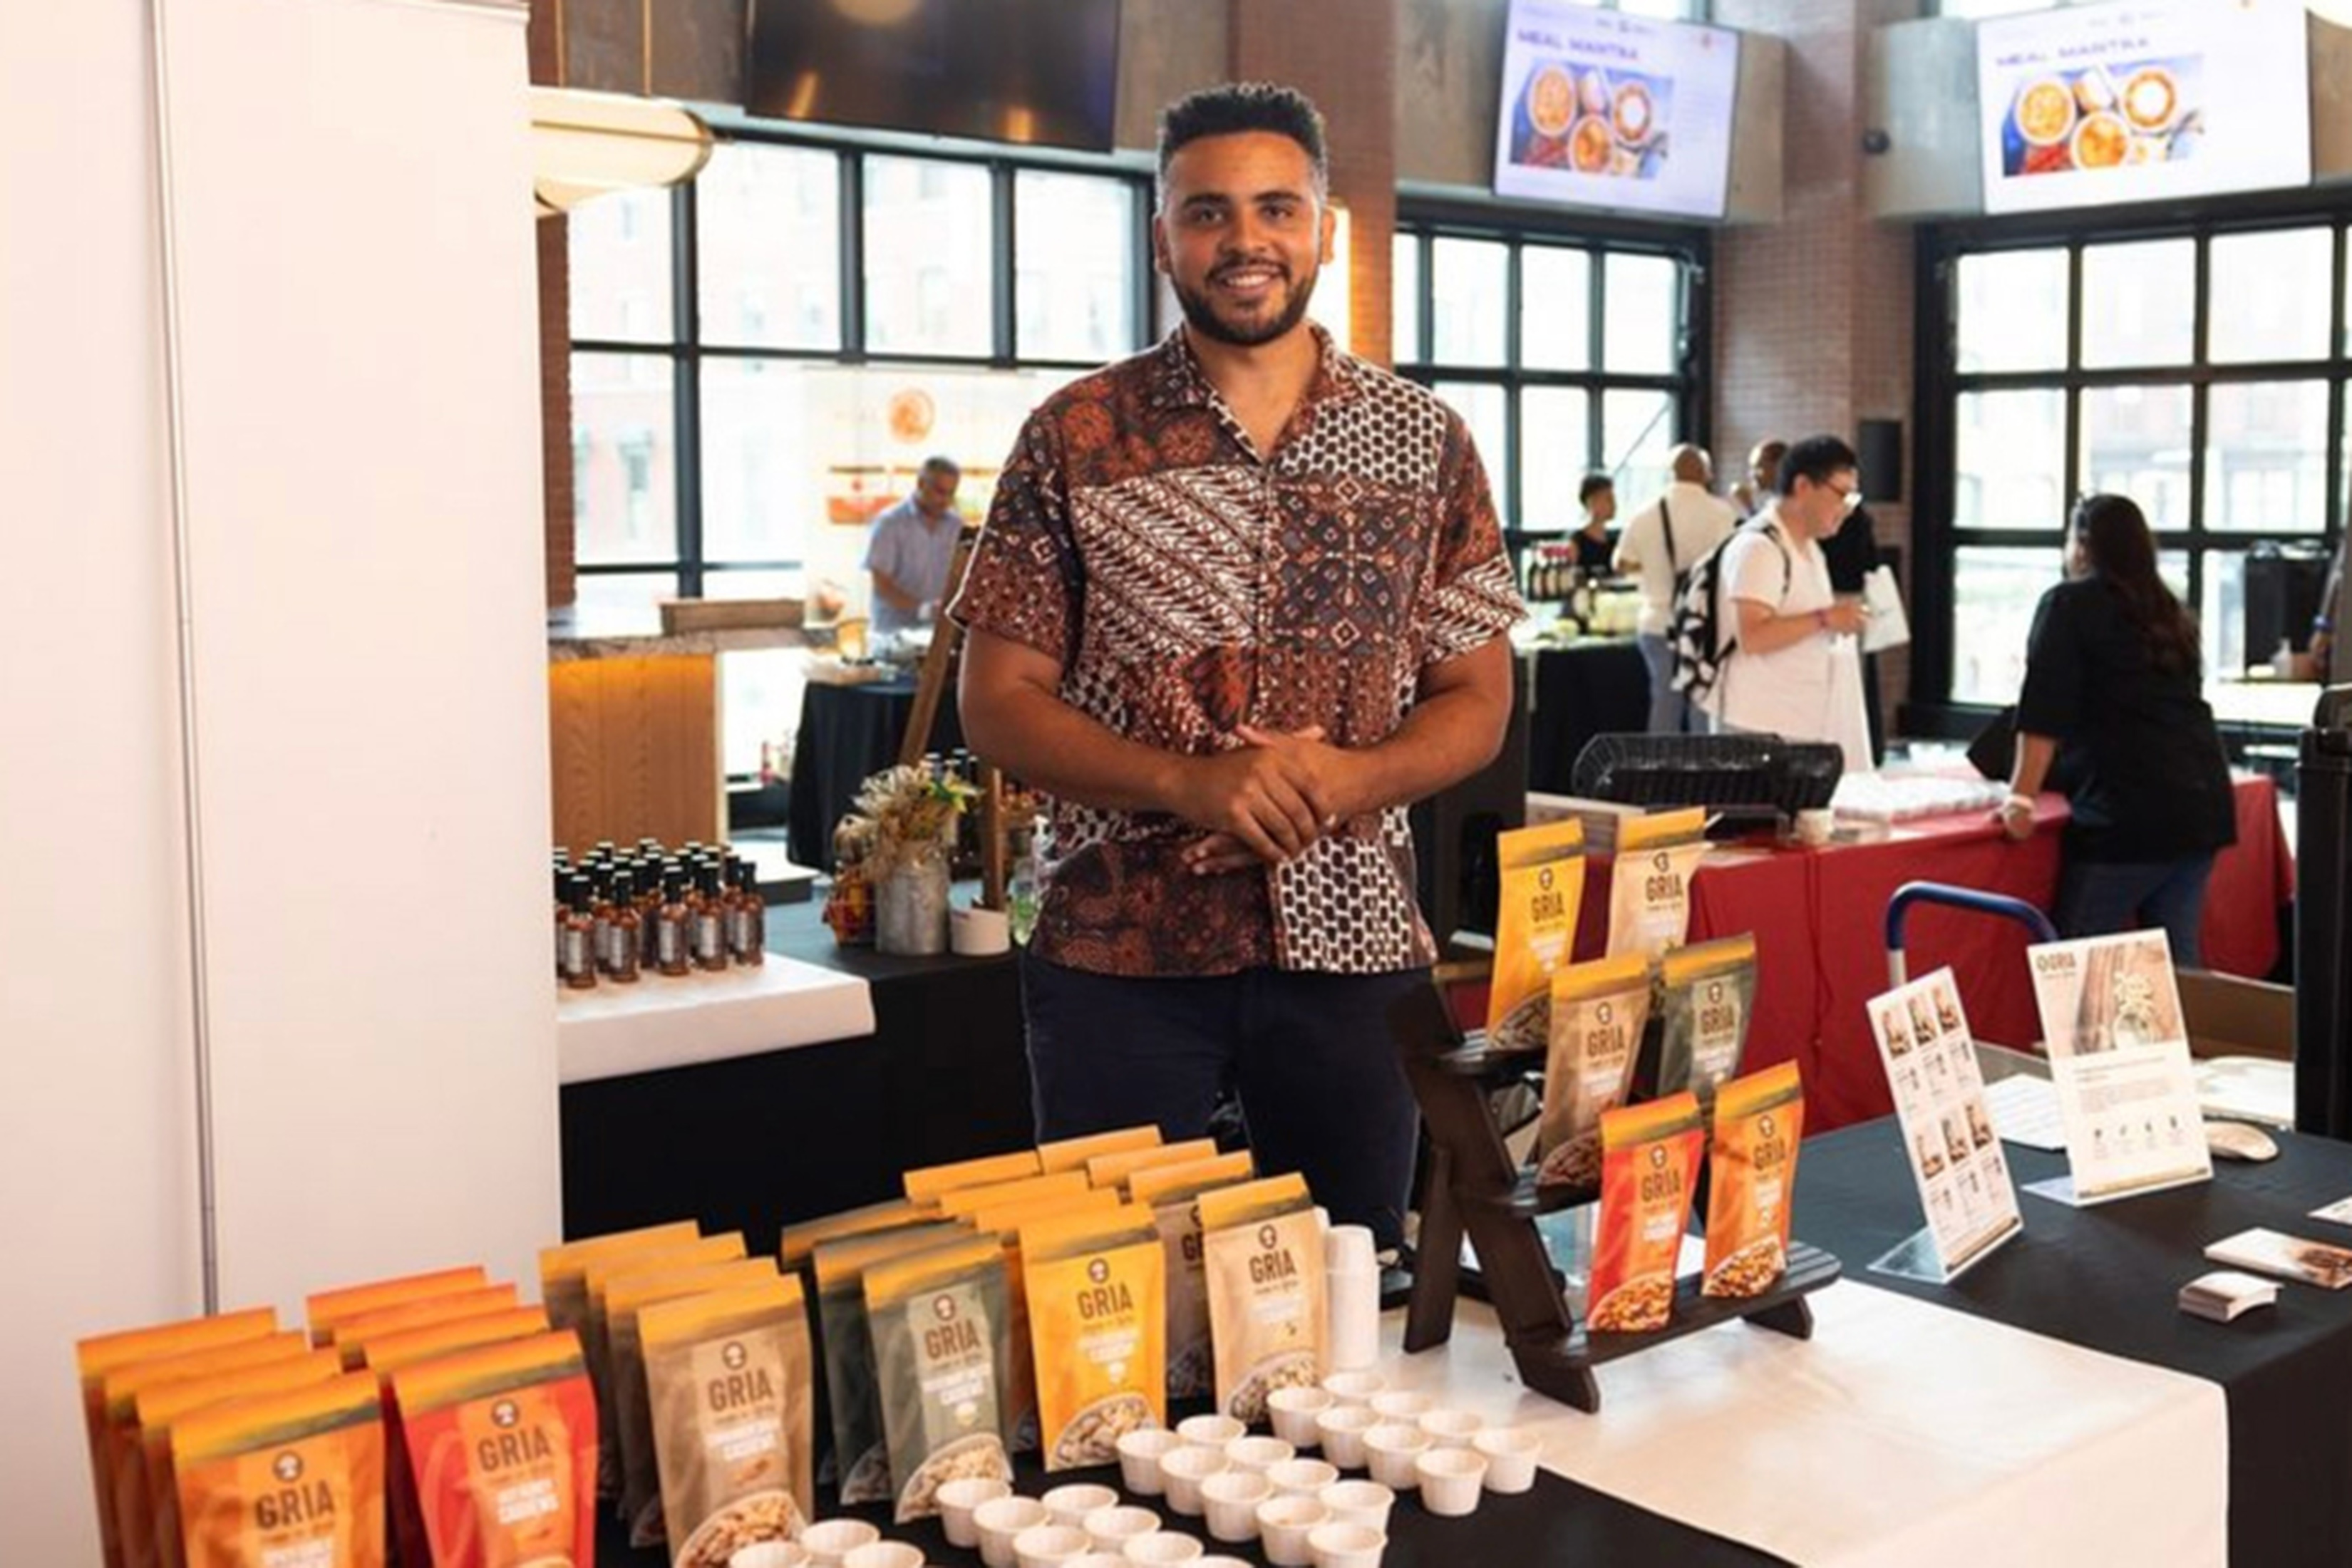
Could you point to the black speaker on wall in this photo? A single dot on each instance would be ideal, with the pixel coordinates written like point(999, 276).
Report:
point(1880, 447)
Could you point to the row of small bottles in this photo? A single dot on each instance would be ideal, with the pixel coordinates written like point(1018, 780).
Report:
point(1549, 572)
point(620, 914)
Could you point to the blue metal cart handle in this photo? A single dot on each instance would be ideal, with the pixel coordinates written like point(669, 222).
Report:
point(1969, 898)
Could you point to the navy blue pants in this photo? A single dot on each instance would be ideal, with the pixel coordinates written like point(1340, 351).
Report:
point(1310, 1057)
point(2099, 898)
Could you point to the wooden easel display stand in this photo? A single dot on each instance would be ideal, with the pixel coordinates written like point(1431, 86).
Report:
point(1476, 1187)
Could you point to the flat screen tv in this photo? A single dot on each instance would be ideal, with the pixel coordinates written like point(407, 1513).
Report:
point(1043, 72)
point(2142, 100)
point(1601, 108)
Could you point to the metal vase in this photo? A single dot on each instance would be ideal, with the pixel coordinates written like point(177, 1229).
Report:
point(910, 907)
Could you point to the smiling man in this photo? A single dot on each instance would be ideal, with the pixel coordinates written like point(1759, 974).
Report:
point(1239, 601)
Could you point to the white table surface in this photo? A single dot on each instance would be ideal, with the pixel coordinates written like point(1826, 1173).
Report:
point(1902, 1433)
point(665, 1021)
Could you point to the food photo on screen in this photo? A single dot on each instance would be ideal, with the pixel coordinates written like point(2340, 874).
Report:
point(2106, 115)
point(1594, 121)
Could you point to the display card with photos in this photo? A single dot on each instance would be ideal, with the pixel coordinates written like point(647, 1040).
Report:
point(2118, 1044)
point(1964, 1190)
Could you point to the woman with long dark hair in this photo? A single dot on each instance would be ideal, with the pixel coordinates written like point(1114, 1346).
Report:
point(2111, 674)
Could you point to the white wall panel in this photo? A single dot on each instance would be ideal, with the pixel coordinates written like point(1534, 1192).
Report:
point(98, 1206)
point(358, 319)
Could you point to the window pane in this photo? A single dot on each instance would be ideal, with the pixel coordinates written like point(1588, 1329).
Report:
point(2266, 457)
point(1482, 406)
point(1637, 431)
point(620, 268)
point(624, 456)
point(1555, 308)
point(2011, 460)
point(928, 269)
point(1553, 455)
point(1642, 313)
point(759, 692)
point(1404, 298)
point(768, 225)
point(751, 584)
point(2140, 303)
point(1074, 288)
point(1472, 305)
point(2270, 295)
point(2136, 442)
point(2013, 311)
point(1993, 595)
point(2222, 617)
point(633, 594)
point(756, 474)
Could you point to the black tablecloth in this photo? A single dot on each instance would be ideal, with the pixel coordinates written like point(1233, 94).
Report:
point(2106, 1279)
point(1557, 1522)
point(1593, 689)
point(846, 734)
point(758, 1142)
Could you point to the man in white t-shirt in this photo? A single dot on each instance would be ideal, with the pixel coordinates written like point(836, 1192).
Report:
point(1661, 543)
point(1789, 673)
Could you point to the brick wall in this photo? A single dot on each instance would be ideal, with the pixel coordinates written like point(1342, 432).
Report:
point(1814, 314)
point(554, 343)
point(1292, 41)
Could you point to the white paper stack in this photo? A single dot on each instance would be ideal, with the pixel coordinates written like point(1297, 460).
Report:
point(2225, 1293)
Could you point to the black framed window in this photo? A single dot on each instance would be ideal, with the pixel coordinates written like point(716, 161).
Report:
point(2197, 365)
point(760, 360)
point(1567, 349)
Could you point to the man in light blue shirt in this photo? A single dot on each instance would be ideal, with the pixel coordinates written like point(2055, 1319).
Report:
point(911, 547)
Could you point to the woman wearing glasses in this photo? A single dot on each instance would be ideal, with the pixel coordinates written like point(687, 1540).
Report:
point(2111, 674)
point(1794, 672)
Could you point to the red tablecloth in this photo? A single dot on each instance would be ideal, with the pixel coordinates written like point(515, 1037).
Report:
point(1819, 920)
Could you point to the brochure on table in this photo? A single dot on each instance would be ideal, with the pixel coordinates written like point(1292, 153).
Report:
point(2151, 100)
point(2119, 1058)
point(1964, 1190)
point(1603, 109)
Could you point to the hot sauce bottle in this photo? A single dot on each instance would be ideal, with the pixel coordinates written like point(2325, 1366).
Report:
point(624, 931)
point(672, 930)
point(576, 948)
point(709, 917)
point(750, 945)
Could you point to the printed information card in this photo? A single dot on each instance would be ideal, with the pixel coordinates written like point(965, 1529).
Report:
point(2119, 1058)
point(1930, 1057)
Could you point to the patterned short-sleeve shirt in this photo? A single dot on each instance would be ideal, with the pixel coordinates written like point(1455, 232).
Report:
point(1187, 586)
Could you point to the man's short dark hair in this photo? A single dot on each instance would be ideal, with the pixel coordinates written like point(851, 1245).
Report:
point(1815, 458)
point(940, 463)
point(1243, 106)
point(1593, 486)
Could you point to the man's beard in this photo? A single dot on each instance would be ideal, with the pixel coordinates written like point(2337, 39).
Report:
point(1201, 313)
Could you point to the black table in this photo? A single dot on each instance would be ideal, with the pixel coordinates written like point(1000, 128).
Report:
point(1557, 1522)
point(2105, 1279)
point(848, 734)
point(760, 1142)
point(1592, 688)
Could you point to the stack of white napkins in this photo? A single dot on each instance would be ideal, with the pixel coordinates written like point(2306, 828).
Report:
point(2225, 1293)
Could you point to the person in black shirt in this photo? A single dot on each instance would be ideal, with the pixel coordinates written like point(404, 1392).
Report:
point(1852, 553)
point(2111, 674)
point(1598, 496)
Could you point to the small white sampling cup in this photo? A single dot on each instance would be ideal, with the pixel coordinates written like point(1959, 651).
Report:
point(1284, 1525)
point(1347, 1545)
point(957, 1497)
point(1000, 1520)
point(1182, 1473)
point(829, 1540)
point(1140, 1454)
point(1294, 1410)
point(1342, 1430)
point(1230, 1498)
point(1450, 1480)
point(1511, 1453)
point(1393, 1449)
